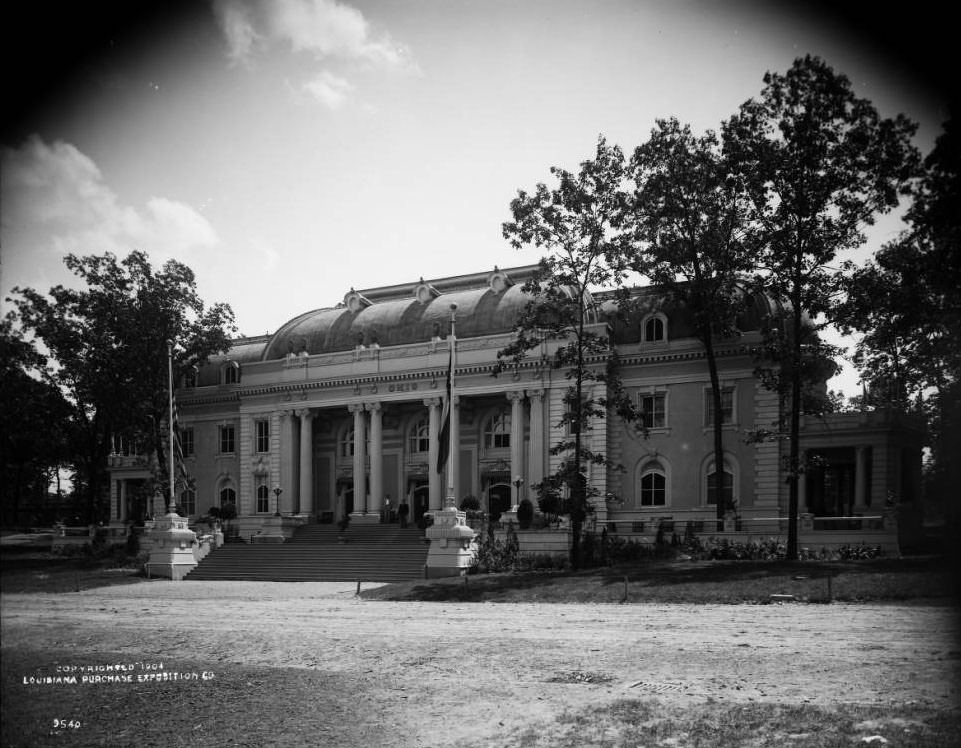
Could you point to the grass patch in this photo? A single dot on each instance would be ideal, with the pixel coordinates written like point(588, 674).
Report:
point(27, 573)
point(736, 582)
point(646, 722)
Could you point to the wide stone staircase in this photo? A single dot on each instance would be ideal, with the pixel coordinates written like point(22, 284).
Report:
point(372, 553)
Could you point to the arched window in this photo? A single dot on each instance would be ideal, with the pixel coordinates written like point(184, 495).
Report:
point(654, 328)
point(231, 373)
point(497, 434)
point(653, 484)
point(190, 378)
point(723, 487)
point(228, 496)
point(188, 502)
point(726, 492)
point(419, 437)
point(263, 498)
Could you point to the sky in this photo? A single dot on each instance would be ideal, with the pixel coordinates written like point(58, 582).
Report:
point(290, 150)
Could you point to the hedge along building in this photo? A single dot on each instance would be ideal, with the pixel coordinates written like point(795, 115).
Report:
point(341, 409)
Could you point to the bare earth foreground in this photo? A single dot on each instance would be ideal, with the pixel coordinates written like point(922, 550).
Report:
point(433, 674)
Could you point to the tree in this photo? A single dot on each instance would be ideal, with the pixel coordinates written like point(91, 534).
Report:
point(108, 345)
point(691, 219)
point(818, 163)
point(575, 222)
point(34, 434)
point(905, 304)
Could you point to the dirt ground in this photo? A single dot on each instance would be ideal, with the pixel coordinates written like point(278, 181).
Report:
point(444, 674)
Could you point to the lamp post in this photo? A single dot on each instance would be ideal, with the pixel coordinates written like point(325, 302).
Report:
point(517, 483)
point(277, 491)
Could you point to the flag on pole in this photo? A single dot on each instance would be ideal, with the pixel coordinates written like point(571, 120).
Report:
point(181, 478)
point(444, 451)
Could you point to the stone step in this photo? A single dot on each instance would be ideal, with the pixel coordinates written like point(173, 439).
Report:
point(373, 553)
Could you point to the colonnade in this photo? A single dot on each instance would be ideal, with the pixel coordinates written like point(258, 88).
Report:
point(297, 465)
point(863, 456)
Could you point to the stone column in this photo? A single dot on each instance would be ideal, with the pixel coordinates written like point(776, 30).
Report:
point(360, 461)
point(860, 479)
point(436, 481)
point(306, 493)
point(122, 498)
point(376, 456)
point(517, 444)
point(535, 468)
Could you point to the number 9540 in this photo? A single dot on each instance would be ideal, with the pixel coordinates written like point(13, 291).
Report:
point(66, 724)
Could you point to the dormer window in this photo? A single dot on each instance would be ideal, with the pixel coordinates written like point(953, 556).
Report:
point(499, 281)
point(355, 301)
point(231, 373)
point(425, 292)
point(654, 329)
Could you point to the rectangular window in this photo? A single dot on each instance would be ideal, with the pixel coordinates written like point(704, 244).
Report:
point(188, 502)
point(263, 436)
point(227, 440)
point(187, 442)
point(653, 411)
point(263, 499)
point(727, 406)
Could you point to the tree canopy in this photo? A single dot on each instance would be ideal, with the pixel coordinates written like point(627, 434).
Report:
point(818, 163)
point(108, 345)
point(689, 219)
point(576, 223)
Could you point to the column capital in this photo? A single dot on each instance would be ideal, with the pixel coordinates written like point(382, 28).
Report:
point(374, 406)
point(355, 407)
point(304, 413)
point(535, 393)
point(514, 395)
point(432, 402)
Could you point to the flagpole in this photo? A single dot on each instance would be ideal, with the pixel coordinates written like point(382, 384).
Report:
point(170, 421)
point(451, 498)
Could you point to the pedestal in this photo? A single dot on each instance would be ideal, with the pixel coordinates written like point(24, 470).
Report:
point(171, 551)
point(272, 531)
point(452, 547)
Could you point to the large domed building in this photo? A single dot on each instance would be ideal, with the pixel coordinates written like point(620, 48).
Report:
point(340, 411)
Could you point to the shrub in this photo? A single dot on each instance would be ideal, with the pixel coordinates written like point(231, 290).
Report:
point(855, 552)
point(494, 555)
point(470, 503)
point(525, 514)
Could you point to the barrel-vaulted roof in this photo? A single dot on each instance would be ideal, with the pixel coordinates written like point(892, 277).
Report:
point(487, 304)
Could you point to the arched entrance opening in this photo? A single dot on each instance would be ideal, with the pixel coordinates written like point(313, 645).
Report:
point(420, 500)
point(498, 499)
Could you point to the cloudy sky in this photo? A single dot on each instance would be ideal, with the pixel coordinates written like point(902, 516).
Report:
point(288, 150)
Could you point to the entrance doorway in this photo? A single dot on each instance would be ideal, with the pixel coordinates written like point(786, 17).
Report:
point(421, 501)
point(498, 500)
